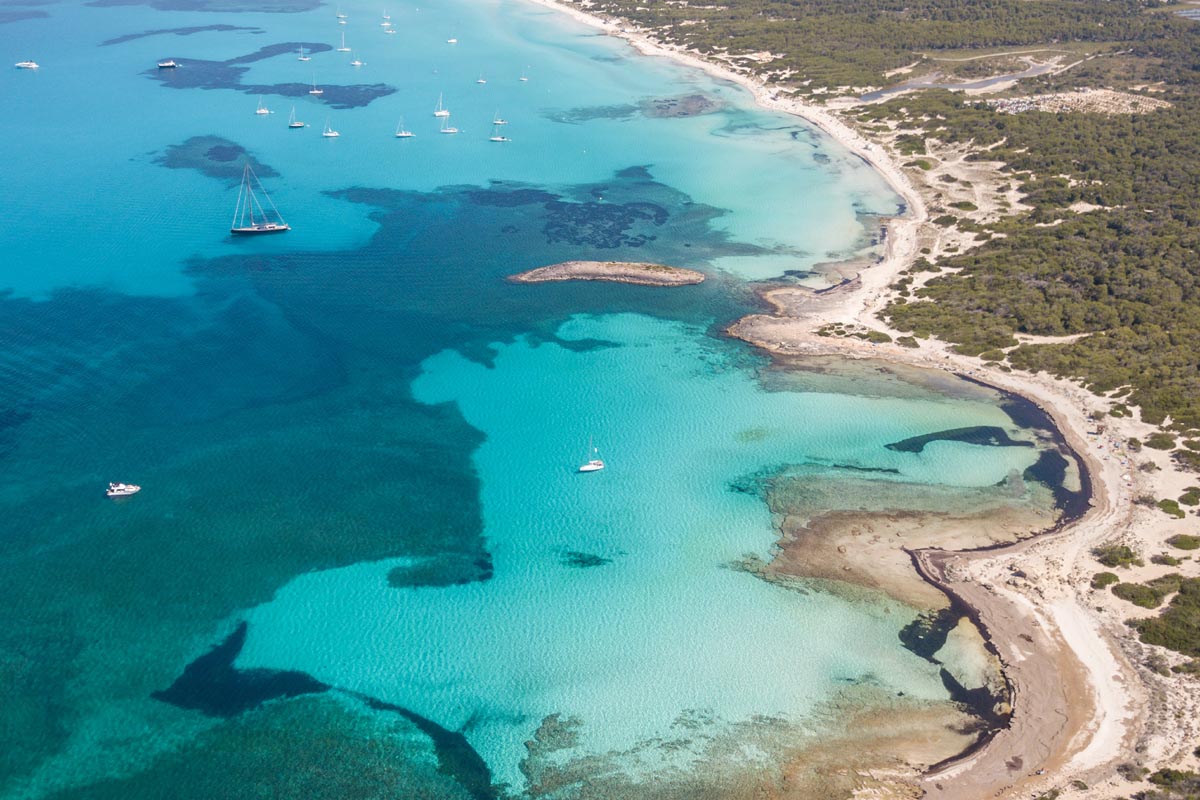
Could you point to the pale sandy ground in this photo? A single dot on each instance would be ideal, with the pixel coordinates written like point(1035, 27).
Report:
point(1083, 699)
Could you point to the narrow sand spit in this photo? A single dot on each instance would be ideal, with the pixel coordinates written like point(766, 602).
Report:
point(638, 273)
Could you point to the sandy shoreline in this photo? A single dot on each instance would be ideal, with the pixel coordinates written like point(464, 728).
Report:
point(1080, 704)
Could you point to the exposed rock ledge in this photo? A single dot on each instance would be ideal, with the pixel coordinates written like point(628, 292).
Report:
point(619, 271)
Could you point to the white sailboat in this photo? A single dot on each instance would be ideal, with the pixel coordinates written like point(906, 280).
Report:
point(594, 464)
point(303, 56)
point(340, 15)
point(249, 215)
point(389, 29)
point(498, 120)
point(329, 133)
point(441, 110)
point(314, 89)
point(523, 78)
point(292, 121)
point(343, 48)
point(496, 137)
point(262, 109)
point(446, 126)
point(401, 133)
point(452, 40)
point(481, 80)
point(357, 63)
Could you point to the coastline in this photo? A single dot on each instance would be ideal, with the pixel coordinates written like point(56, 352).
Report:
point(1029, 599)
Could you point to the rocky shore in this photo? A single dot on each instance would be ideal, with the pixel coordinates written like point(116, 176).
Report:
point(639, 273)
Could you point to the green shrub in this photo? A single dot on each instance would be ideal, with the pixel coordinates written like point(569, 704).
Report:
point(1190, 497)
point(1171, 508)
point(1178, 627)
point(908, 341)
point(1160, 441)
point(1165, 560)
point(1117, 555)
point(1183, 541)
point(1138, 594)
point(878, 337)
point(1102, 580)
point(946, 220)
point(965, 205)
point(920, 163)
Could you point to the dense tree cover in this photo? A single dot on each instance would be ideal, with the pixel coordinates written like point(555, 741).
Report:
point(838, 42)
point(1128, 276)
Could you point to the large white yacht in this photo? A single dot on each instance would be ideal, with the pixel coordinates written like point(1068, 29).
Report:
point(122, 489)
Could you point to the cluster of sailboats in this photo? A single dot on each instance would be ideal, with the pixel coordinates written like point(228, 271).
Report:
point(255, 213)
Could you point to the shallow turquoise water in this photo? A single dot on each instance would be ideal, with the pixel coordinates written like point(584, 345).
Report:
point(666, 628)
point(325, 421)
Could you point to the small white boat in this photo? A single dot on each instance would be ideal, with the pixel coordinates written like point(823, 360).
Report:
point(401, 133)
point(122, 489)
point(168, 64)
point(446, 126)
point(340, 15)
point(481, 80)
point(452, 41)
point(341, 22)
point(303, 56)
point(329, 133)
point(27, 65)
point(292, 121)
point(357, 63)
point(496, 137)
point(595, 464)
point(386, 16)
point(314, 89)
point(343, 48)
point(523, 78)
point(441, 110)
point(261, 108)
point(498, 120)
point(389, 30)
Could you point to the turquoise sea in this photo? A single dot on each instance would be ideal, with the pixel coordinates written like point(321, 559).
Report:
point(363, 563)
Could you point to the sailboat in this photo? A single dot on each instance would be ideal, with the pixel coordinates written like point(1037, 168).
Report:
point(329, 133)
point(595, 464)
point(498, 120)
point(389, 28)
point(340, 15)
point(314, 89)
point(356, 63)
point(446, 127)
point(261, 108)
point(523, 78)
point(452, 40)
point(292, 121)
point(401, 133)
point(496, 137)
point(302, 56)
point(481, 80)
point(343, 48)
point(441, 111)
point(249, 215)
